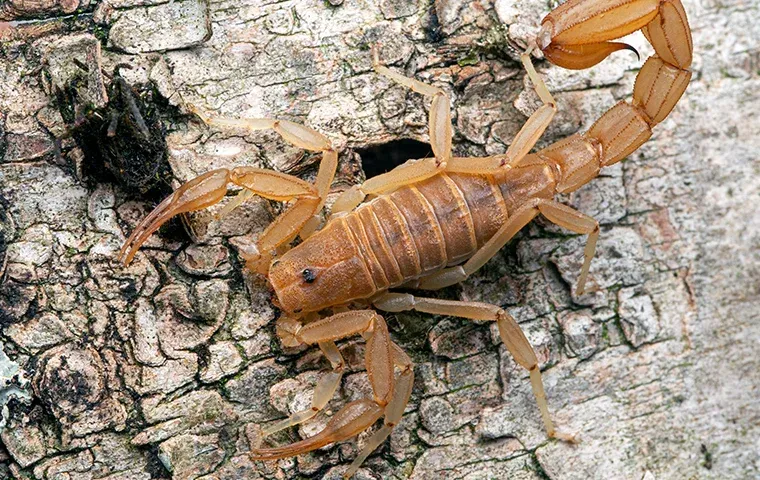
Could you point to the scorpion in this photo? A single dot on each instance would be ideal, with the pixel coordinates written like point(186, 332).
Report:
point(433, 222)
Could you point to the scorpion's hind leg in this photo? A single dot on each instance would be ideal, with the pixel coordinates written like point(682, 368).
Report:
point(510, 332)
point(525, 139)
point(537, 123)
point(390, 392)
point(576, 222)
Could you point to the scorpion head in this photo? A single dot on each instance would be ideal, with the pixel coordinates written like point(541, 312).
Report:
point(325, 270)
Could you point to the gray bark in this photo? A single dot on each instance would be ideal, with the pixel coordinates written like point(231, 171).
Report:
point(165, 369)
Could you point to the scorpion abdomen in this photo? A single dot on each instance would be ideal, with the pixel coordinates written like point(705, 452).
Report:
point(442, 221)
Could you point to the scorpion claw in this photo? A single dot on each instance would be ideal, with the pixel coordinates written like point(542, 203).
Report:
point(196, 194)
point(349, 421)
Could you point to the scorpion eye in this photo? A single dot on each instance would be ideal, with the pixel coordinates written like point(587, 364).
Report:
point(308, 275)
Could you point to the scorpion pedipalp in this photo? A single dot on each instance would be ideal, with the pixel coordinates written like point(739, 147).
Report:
point(209, 188)
point(352, 419)
point(196, 194)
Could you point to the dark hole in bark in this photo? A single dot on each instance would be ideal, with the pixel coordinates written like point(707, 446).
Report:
point(385, 157)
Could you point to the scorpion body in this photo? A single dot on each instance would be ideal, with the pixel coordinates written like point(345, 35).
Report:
point(433, 222)
point(403, 236)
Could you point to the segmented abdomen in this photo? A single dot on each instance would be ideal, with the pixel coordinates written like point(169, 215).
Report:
point(424, 227)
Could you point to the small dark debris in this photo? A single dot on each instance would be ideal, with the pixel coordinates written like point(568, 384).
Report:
point(383, 158)
point(433, 29)
point(3, 141)
point(125, 142)
point(708, 459)
point(16, 302)
point(129, 290)
point(155, 467)
point(204, 356)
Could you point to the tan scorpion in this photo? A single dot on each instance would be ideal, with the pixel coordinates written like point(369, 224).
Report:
point(433, 222)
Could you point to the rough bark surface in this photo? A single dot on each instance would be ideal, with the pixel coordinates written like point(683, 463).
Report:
point(165, 369)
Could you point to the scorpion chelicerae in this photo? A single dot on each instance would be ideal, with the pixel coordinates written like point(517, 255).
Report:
point(433, 222)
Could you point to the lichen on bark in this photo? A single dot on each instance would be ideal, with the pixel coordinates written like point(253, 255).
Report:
point(167, 368)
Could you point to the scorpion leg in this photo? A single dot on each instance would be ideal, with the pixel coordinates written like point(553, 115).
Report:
point(510, 332)
point(299, 135)
point(555, 212)
point(525, 139)
point(537, 123)
point(440, 110)
point(440, 140)
point(399, 177)
point(389, 394)
point(452, 275)
point(415, 170)
point(577, 222)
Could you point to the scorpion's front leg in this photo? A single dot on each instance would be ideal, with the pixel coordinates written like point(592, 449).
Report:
point(391, 394)
point(209, 188)
point(510, 332)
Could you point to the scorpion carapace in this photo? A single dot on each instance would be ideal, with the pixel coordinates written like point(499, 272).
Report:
point(431, 223)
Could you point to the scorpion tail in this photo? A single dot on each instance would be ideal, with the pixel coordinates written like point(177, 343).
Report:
point(577, 34)
point(578, 57)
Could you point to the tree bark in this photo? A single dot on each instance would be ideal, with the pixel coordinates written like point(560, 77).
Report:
point(166, 368)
